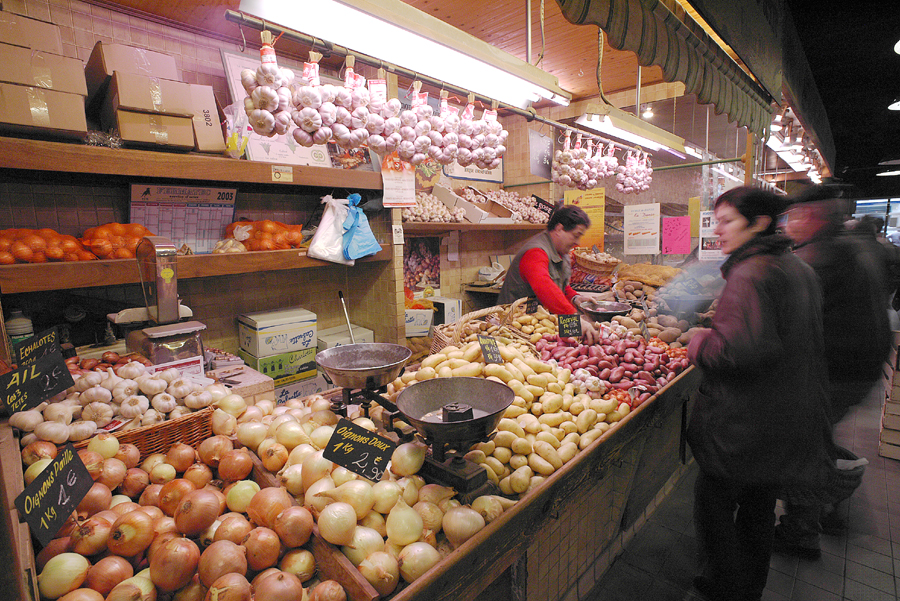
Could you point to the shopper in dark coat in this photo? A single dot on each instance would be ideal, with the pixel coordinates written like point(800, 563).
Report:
point(760, 421)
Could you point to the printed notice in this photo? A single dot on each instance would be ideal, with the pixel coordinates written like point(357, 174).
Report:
point(642, 229)
point(399, 179)
point(709, 241)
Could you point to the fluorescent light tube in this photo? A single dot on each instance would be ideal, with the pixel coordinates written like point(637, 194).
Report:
point(625, 126)
point(397, 33)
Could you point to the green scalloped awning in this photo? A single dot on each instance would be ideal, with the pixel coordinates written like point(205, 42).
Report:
point(660, 33)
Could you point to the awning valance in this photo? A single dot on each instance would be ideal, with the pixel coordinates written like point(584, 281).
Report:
point(660, 33)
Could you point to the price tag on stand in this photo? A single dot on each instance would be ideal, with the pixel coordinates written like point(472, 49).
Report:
point(570, 325)
point(43, 344)
point(692, 285)
point(489, 349)
point(52, 497)
point(361, 451)
point(30, 385)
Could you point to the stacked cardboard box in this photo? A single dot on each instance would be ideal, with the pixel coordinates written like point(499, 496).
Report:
point(43, 92)
point(889, 440)
point(281, 344)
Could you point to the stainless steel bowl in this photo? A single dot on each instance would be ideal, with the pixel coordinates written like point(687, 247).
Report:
point(363, 366)
point(603, 310)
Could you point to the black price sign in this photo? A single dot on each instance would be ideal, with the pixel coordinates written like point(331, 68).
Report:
point(30, 385)
point(542, 205)
point(489, 349)
point(52, 497)
point(692, 285)
point(569, 325)
point(41, 345)
point(361, 451)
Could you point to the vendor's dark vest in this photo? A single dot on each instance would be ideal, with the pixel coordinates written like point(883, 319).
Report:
point(514, 287)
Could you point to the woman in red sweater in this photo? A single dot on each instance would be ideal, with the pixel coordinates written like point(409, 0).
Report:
point(542, 267)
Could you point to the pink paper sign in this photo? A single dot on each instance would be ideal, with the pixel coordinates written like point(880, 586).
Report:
point(676, 235)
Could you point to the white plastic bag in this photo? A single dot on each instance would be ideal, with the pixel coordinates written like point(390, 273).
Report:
point(328, 242)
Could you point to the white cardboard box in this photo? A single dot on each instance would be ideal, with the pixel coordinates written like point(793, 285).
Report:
point(449, 310)
point(303, 388)
point(418, 322)
point(338, 336)
point(275, 332)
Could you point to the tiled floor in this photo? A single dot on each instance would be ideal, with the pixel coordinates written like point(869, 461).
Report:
point(861, 565)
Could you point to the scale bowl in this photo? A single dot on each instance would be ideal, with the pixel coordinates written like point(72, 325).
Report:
point(487, 398)
point(363, 366)
point(603, 310)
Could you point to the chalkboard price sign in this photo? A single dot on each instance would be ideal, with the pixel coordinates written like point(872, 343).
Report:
point(489, 349)
point(361, 451)
point(30, 385)
point(692, 285)
point(43, 344)
point(52, 497)
point(570, 325)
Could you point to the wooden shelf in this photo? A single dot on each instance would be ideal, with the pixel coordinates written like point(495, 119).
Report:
point(39, 155)
point(482, 290)
point(87, 274)
point(415, 227)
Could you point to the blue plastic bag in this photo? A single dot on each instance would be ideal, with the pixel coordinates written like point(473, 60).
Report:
point(359, 241)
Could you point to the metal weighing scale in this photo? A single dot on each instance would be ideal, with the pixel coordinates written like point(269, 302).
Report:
point(448, 414)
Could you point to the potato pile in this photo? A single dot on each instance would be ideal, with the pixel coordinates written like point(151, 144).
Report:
point(535, 326)
point(544, 428)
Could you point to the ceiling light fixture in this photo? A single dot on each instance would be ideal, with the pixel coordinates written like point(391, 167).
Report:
point(778, 121)
point(897, 47)
point(620, 124)
point(895, 105)
point(397, 33)
point(648, 112)
point(888, 173)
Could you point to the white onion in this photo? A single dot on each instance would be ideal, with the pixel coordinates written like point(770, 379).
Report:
point(435, 493)
point(292, 479)
point(382, 571)
point(460, 524)
point(375, 521)
point(282, 418)
point(266, 406)
point(62, 574)
point(240, 495)
point(291, 434)
point(431, 515)
point(365, 541)
point(488, 506)
point(337, 523)
point(250, 434)
point(415, 559)
point(321, 435)
point(340, 475)
point(407, 458)
point(404, 525)
point(386, 494)
point(316, 498)
point(251, 414)
point(357, 493)
point(223, 423)
point(315, 466)
point(233, 404)
point(298, 454)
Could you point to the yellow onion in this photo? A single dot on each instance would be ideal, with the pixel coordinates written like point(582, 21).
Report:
point(404, 525)
point(181, 456)
point(197, 512)
point(82, 594)
point(382, 571)
point(337, 523)
point(136, 588)
point(220, 558)
point(328, 590)
point(267, 504)
point(415, 559)
point(39, 449)
point(131, 534)
point(63, 574)
point(89, 538)
point(294, 526)
point(263, 548)
point(234, 528)
point(278, 586)
point(235, 465)
point(107, 573)
point(97, 499)
point(230, 587)
point(212, 449)
point(173, 565)
point(299, 562)
point(128, 454)
point(199, 474)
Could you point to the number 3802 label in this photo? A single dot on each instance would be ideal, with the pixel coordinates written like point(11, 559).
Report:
point(361, 451)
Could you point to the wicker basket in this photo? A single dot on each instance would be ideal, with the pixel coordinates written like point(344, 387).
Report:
point(587, 264)
point(452, 334)
point(191, 429)
point(840, 484)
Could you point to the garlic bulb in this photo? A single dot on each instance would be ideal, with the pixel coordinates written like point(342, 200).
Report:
point(359, 117)
point(198, 400)
point(376, 144)
point(262, 121)
point(81, 430)
point(110, 380)
point(391, 108)
point(328, 92)
point(421, 144)
point(359, 97)
point(131, 370)
point(87, 380)
point(248, 80)
point(124, 389)
point(422, 127)
point(152, 416)
point(99, 413)
point(179, 411)
point(391, 125)
point(26, 420)
point(268, 74)
point(134, 406)
point(287, 76)
point(57, 412)
point(284, 99)
point(423, 111)
point(163, 402)
point(322, 135)
point(54, 432)
point(307, 96)
point(180, 388)
point(152, 386)
point(328, 113)
point(343, 116)
point(341, 135)
point(302, 138)
point(266, 98)
point(343, 97)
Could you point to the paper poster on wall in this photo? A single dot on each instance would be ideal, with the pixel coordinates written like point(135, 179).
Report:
point(709, 242)
point(540, 153)
point(422, 265)
point(184, 214)
point(277, 149)
point(474, 173)
point(676, 235)
point(593, 202)
point(642, 229)
point(399, 181)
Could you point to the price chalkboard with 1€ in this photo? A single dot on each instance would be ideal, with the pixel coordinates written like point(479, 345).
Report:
point(54, 494)
point(361, 451)
point(489, 349)
point(40, 345)
point(570, 325)
point(30, 385)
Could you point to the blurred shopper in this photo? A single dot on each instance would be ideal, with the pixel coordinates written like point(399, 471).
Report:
point(760, 421)
point(870, 231)
point(542, 267)
point(856, 330)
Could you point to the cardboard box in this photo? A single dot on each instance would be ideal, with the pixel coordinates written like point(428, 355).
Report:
point(31, 110)
point(890, 437)
point(107, 58)
point(22, 31)
point(302, 388)
point(208, 135)
point(892, 408)
point(285, 364)
point(246, 382)
point(888, 450)
point(418, 322)
point(453, 201)
point(449, 310)
point(29, 67)
point(155, 131)
point(275, 332)
point(339, 336)
point(140, 94)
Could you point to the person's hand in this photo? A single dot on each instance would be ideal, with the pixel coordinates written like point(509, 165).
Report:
point(589, 332)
